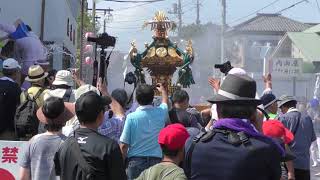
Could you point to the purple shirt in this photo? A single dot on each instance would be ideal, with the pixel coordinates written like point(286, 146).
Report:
point(112, 127)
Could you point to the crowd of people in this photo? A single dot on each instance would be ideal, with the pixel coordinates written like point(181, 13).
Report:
point(89, 133)
point(79, 131)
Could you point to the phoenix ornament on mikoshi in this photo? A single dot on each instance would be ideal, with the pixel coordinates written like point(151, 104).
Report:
point(162, 57)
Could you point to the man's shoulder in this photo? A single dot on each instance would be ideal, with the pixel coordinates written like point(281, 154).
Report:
point(253, 145)
point(164, 169)
point(97, 138)
point(8, 84)
point(290, 115)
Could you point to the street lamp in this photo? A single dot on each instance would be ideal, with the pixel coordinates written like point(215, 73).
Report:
point(263, 55)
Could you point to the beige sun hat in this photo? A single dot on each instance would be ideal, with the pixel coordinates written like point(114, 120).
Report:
point(86, 88)
point(63, 77)
point(36, 73)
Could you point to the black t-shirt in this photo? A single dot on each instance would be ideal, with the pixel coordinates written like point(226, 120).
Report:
point(9, 100)
point(102, 153)
point(183, 117)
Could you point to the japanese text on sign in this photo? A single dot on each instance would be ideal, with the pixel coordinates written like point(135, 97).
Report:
point(9, 154)
point(286, 66)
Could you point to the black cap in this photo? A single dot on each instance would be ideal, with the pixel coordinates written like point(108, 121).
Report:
point(121, 96)
point(90, 104)
point(268, 99)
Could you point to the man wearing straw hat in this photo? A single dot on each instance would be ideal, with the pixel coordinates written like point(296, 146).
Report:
point(36, 76)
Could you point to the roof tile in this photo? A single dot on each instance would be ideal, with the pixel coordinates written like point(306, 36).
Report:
point(271, 22)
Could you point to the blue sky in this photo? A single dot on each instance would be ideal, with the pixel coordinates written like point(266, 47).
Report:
point(129, 17)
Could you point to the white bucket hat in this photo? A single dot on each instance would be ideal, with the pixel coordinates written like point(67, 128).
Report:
point(36, 73)
point(86, 88)
point(63, 77)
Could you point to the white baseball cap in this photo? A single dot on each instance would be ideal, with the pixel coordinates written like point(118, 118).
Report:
point(237, 71)
point(10, 63)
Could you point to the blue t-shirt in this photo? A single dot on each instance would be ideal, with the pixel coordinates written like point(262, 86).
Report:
point(141, 131)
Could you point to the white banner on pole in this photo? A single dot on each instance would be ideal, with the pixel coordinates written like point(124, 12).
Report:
point(10, 154)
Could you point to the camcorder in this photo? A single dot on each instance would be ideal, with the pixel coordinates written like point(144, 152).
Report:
point(104, 40)
point(224, 68)
point(130, 78)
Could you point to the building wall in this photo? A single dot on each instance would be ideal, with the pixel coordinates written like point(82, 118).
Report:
point(57, 14)
point(27, 10)
point(251, 46)
point(304, 85)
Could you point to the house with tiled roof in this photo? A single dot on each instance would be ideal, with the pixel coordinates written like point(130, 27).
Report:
point(248, 43)
point(300, 45)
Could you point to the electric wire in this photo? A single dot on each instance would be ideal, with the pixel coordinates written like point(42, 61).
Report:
point(255, 12)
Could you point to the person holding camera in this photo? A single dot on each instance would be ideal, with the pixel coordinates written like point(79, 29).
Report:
point(114, 119)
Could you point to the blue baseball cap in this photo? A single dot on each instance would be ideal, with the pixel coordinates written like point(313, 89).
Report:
point(268, 99)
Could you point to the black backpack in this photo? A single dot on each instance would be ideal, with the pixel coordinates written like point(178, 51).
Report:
point(26, 121)
point(67, 95)
point(204, 137)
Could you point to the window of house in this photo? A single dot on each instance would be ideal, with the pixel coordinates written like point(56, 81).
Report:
point(74, 37)
point(71, 32)
point(68, 22)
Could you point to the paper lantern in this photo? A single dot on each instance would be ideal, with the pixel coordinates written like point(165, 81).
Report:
point(88, 60)
point(88, 48)
point(89, 34)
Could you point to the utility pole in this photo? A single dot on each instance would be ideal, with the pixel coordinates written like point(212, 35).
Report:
point(81, 36)
point(177, 11)
point(198, 13)
point(43, 12)
point(106, 12)
point(94, 16)
point(179, 17)
point(109, 17)
point(223, 29)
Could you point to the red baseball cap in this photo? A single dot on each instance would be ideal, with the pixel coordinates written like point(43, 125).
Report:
point(275, 129)
point(173, 136)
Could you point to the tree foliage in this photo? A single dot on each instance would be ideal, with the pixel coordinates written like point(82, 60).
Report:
point(88, 25)
point(194, 30)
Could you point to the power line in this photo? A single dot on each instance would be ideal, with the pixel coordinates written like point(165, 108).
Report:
point(189, 9)
point(318, 5)
point(138, 1)
point(186, 4)
point(130, 7)
point(255, 12)
point(293, 5)
point(124, 27)
point(136, 20)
